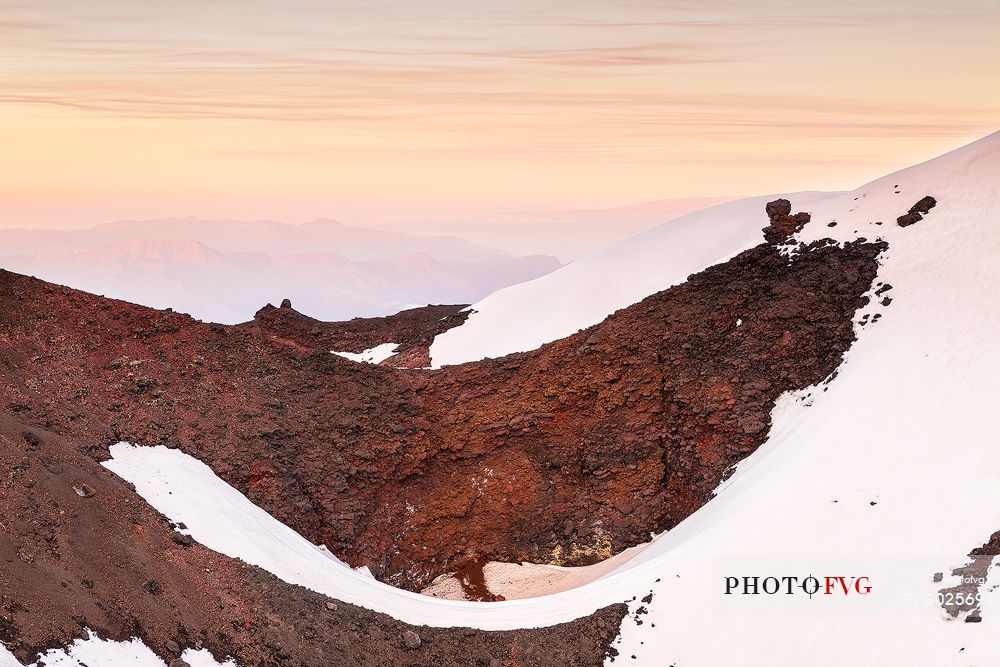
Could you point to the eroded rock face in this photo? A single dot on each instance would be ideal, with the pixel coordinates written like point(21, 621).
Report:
point(628, 427)
point(566, 454)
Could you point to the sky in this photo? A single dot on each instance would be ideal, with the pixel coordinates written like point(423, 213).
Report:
point(292, 109)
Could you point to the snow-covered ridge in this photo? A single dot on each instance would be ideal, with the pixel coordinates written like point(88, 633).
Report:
point(528, 315)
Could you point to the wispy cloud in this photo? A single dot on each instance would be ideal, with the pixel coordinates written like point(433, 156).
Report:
point(394, 85)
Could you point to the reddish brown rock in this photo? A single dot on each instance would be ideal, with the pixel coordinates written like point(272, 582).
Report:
point(566, 454)
point(413, 330)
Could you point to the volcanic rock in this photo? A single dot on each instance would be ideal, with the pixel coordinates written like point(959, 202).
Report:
point(783, 224)
point(916, 212)
point(778, 209)
point(411, 639)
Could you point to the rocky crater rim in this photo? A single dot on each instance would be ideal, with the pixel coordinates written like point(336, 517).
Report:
point(567, 455)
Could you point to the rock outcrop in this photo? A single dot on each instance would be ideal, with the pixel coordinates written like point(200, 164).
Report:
point(783, 223)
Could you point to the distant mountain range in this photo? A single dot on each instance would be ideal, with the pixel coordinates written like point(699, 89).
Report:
point(568, 234)
point(224, 270)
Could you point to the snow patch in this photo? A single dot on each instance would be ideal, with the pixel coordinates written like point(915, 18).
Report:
point(97, 652)
point(373, 355)
point(518, 581)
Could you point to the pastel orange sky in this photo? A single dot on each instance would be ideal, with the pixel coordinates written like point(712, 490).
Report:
point(294, 110)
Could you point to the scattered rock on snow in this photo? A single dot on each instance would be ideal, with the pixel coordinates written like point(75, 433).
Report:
point(917, 212)
point(924, 205)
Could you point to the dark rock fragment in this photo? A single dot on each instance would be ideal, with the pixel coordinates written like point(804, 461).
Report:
point(779, 208)
point(924, 205)
point(183, 540)
point(917, 212)
point(83, 490)
point(411, 639)
point(33, 440)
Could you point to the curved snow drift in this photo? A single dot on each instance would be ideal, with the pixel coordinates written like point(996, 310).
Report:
point(220, 517)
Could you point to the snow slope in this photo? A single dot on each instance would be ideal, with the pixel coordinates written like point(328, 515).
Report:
point(527, 315)
point(889, 472)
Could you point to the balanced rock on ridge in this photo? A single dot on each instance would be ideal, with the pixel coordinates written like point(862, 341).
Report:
point(777, 209)
point(783, 222)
